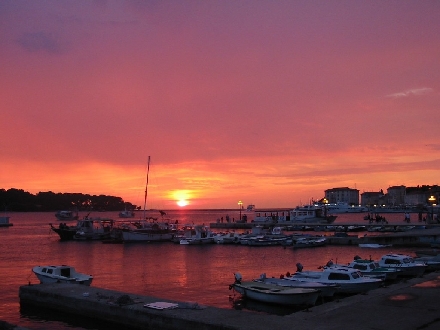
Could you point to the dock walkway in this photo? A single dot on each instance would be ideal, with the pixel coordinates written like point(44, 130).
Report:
point(408, 305)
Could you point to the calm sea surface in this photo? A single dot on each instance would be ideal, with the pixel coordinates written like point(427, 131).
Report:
point(199, 274)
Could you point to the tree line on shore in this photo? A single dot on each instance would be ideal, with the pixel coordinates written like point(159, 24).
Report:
point(18, 200)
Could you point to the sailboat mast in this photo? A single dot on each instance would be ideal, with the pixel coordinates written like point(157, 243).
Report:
point(146, 188)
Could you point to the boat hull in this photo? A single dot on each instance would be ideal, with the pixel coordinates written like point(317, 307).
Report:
point(133, 236)
point(57, 274)
point(273, 294)
point(346, 286)
point(326, 290)
point(65, 233)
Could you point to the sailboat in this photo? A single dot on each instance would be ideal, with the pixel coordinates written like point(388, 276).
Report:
point(148, 231)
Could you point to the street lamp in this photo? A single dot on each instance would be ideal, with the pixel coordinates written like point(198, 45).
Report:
point(432, 201)
point(240, 205)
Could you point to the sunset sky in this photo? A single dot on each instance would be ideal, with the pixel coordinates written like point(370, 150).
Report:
point(267, 102)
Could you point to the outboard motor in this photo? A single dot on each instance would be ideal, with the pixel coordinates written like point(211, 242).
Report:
point(238, 277)
point(299, 267)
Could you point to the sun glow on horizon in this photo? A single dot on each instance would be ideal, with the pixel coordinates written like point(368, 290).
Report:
point(182, 203)
point(181, 197)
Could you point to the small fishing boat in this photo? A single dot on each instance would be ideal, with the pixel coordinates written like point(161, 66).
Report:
point(349, 279)
point(308, 242)
point(145, 231)
point(126, 214)
point(61, 274)
point(4, 221)
point(195, 235)
point(275, 294)
point(374, 246)
point(432, 263)
point(372, 268)
point(94, 229)
point(326, 290)
point(65, 231)
point(66, 215)
point(404, 262)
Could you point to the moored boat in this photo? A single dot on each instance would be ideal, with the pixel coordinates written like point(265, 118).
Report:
point(94, 229)
point(326, 290)
point(61, 274)
point(195, 235)
point(275, 294)
point(432, 262)
point(66, 215)
point(126, 214)
point(349, 279)
point(65, 231)
point(145, 231)
point(404, 262)
point(227, 238)
point(4, 221)
point(372, 268)
point(308, 242)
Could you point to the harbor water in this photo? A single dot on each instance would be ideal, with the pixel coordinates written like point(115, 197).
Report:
point(187, 273)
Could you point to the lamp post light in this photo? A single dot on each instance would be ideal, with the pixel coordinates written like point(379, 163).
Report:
point(432, 201)
point(325, 201)
point(240, 205)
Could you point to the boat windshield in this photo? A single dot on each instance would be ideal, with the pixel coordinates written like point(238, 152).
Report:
point(356, 275)
point(360, 266)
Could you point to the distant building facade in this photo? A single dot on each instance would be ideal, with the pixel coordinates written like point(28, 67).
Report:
point(402, 196)
point(342, 194)
point(371, 198)
point(396, 196)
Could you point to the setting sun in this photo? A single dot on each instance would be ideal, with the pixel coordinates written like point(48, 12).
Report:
point(181, 197)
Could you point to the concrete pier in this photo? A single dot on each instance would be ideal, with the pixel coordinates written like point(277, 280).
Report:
point(408, 305)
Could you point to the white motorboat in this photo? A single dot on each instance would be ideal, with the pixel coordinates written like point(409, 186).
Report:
point(308, 242)
point(274, 237)
point(349, 279)
point(372, 268)
point(126, 214)
point(227, 238)
point(373, 245)
point(275, 294)
point(427, 253)
point(66, 215)
point(195, 235)
point(61, 274)
point(432, 262)
point(326, 290)
point(404, 262)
